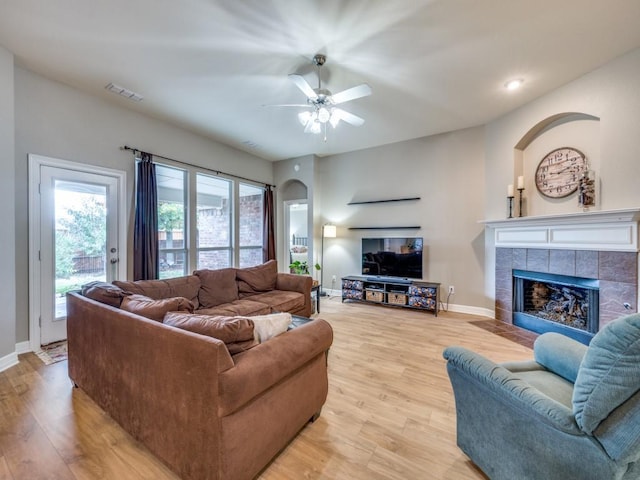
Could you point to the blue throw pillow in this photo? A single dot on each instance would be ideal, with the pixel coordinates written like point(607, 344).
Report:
point(609, 374)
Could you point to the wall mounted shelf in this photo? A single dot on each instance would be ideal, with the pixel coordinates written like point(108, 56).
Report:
point(386, 228)
point(390, 200)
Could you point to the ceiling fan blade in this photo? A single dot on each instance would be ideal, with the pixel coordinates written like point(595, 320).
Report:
point(297, 105)
point(302, 84)
point(354, 120)
point(351, 93)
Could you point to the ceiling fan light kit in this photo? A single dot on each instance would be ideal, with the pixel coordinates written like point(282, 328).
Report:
point(323, 103)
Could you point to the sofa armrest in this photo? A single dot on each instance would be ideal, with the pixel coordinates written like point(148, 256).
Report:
point(560, 354)
point(258, 369)
point(158, 382)
point(502, 383)
point(294, 283)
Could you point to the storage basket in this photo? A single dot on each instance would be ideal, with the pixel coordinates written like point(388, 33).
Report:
point(418, 291)
point(352, 294)
point(397, 298)
point(352, 284)
point(422, 302)
point(374, 296)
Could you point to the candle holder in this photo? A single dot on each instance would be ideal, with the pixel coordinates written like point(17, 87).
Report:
point(520, 190)
point(510, 198)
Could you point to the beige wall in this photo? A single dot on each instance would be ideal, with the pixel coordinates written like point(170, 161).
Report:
point(461, 176)
point(446, 171)
point(61, 122)
point(7, 208)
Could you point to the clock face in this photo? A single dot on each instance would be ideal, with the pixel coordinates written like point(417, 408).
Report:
point(558, 173)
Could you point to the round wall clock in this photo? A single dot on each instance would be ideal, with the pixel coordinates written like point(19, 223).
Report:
point(558, 173)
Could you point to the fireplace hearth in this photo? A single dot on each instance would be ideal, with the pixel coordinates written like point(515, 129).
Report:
point(545, 302)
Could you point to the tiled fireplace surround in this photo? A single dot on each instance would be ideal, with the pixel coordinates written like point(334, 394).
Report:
point(616, 271)
point(597, 245)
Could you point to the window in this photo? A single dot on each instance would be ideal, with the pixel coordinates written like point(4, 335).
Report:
point(171, 221)
point(214, 214)
point(226, 229)
point(251, 225)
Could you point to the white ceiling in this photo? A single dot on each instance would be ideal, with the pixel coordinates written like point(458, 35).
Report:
point(210, 66)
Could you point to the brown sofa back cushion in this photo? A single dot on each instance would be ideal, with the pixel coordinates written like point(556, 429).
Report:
point(103, 292)
point(155, 309)
point(217, 287)
point(186, 287)
point(235, 332)
point(261, 278)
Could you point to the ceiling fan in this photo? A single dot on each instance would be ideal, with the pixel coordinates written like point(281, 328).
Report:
point(322, 103)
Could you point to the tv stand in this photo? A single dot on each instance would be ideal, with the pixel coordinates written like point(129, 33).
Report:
point(397, 292)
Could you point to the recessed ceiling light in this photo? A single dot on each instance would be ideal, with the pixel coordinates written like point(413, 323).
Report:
point(514, 84)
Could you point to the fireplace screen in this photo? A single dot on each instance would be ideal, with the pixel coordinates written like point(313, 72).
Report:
point(558, 303)
point(567, 301)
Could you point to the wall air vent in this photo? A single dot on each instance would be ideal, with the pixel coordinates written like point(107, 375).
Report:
point(113, 88)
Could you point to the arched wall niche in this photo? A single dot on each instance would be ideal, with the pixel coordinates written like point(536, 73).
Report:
point(293, 190)
point(297, 241)
point(567, 129)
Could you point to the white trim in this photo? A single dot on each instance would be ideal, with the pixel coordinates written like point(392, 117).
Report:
point(624, 215)
point(35, 162)
point(23, 347)
point(615, 230)
point(8, 361)
point(470, 310)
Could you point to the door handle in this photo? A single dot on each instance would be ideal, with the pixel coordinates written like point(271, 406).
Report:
point(114, 260)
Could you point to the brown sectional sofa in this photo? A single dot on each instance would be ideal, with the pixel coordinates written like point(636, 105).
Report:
point(207, 414)
point(234, 291)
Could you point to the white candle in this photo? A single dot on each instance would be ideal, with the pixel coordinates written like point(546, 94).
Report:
point(520, 182)
point(510, 191)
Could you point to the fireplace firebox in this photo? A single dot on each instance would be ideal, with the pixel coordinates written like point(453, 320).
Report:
point(545, 302)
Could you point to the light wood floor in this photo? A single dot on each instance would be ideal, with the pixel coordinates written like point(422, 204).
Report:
point(390, 413)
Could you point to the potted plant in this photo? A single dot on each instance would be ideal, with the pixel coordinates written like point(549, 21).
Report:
point(301, 268)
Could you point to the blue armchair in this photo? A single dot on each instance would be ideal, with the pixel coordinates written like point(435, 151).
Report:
point(573, 413)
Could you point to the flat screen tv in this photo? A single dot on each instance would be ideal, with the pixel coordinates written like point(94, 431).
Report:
point(392, 257)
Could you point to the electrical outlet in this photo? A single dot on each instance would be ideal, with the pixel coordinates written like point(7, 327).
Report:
point(333, 278)
point(452, 290)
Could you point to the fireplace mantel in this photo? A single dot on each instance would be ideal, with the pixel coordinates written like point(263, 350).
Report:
point(612, 230)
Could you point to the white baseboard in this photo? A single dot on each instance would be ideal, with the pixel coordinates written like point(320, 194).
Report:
point(23, 347)
point(8, 361)
point(483, 312)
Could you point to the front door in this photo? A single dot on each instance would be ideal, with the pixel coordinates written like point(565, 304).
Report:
point(78, 239)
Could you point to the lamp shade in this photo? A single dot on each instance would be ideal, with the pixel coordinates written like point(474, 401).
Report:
point(329, 231)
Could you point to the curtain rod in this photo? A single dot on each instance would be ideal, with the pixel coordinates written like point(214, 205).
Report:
point(218, 172)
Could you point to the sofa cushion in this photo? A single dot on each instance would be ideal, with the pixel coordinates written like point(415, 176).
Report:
point(238, 308)
point(269, 326)
point(104, 292)
point(609, 373)
point(260, 278)
point(280, 300)
point(235, 332)
point(155, 309)
point(217, 286)
point(187, 287)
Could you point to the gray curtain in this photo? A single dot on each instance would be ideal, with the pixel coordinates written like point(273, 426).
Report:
point(268, 235)
point(145, 230)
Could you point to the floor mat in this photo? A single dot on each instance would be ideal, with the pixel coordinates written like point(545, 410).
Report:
point(53, 353)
